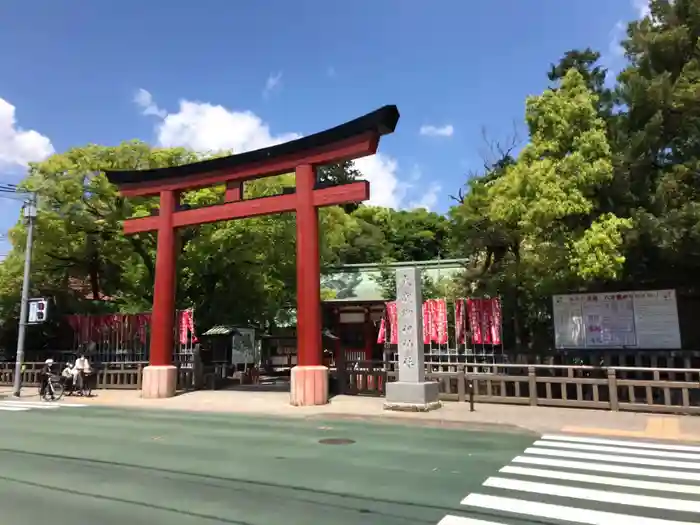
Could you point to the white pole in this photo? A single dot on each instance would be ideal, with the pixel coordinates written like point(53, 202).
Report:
point(30, 215)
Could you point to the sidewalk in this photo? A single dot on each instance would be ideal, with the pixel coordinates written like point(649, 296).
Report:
point(513, 417)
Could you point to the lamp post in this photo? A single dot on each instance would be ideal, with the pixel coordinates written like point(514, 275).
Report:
point(29, 211)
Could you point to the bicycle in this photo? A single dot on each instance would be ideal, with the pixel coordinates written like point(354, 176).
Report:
point(54, 389)
point(85, 389)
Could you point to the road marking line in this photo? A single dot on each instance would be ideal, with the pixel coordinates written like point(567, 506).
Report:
point(612, 459)
point(559, 512)
point(617, 450)
point(45, 406)
point(40, 404)
point(603, 496)
point(633, 444)
point(616, 469)
point(459, 520)
point(605, 432)
point(654, 429)
point(13, 409)
point(602, 480)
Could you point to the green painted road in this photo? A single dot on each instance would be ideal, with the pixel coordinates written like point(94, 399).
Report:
point(68, 465)
point(78, 464)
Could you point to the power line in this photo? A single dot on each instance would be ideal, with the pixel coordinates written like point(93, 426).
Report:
point(12, 192)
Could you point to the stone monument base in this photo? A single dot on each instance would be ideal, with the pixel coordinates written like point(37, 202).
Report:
point(412, 397)
point(309, 386)
point(159, 382)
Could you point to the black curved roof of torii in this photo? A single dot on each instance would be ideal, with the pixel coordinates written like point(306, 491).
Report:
point(382, 121)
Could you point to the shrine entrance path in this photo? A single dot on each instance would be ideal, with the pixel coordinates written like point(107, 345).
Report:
point(119, 466)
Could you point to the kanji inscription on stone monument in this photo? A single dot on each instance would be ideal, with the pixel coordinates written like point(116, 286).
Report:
point(408, 304)
point(411, 391)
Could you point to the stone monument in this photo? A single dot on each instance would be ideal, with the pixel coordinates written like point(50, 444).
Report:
point(411, 392)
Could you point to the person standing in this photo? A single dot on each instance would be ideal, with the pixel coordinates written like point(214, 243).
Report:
point(44, 378)
point(81, 368)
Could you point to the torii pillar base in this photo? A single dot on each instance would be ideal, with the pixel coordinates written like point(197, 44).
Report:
point(309, 386)
point(159, 382)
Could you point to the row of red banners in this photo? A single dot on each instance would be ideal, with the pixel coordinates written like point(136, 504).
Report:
point(483, 321)
point(127, 326)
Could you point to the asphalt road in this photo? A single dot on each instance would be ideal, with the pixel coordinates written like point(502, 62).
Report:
point(68, 465)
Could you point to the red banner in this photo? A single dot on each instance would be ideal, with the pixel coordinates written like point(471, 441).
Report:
point(181, 328)
point(185, 323)
point(381, 337)
point(485, 320)
point(459, 320)
point(431, 307)
point(474, 314)
point(190, 325)
point(143, 321)
point(496, 321)
point(441, 322)
point(427, 323)
point(393, 323)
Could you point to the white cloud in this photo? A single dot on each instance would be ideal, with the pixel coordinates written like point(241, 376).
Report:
point(18, 147)
point(330, 72)
point(273, 82)
point(429, 197)
point(615, 49)
point(144, 100)
point(204, 127)
point(641, 7)
point(382, 173)
point(618, 34)
point(435, 131)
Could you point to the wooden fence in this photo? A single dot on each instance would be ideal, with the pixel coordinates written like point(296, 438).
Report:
point(663, 390)
point(122, 375)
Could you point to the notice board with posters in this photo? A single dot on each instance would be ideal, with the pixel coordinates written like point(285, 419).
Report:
point(637, 319)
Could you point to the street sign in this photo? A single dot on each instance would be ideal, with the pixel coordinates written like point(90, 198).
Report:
point(38, 310)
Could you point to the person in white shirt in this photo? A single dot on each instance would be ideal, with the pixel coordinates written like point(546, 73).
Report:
point(67, 375)
point(67, 371)
point(81, 368)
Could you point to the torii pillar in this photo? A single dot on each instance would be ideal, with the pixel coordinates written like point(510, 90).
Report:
point(354, 139)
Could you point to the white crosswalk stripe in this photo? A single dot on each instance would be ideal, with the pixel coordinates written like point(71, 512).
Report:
point(593, 481)
point(24, 406)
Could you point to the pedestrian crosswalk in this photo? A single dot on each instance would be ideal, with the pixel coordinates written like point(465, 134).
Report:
point(24, 406)
point(588, 480)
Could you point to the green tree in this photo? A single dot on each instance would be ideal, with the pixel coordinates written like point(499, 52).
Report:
point(537, 227)
point(660, 90)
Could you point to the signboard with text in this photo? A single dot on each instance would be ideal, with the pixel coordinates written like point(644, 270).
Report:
point(639, 319)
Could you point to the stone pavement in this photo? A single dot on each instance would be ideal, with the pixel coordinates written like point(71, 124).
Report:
point(535, 419)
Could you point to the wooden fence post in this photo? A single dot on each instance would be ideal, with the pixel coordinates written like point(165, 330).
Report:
point(461, 386)
point(612, 390)
point(532, 384)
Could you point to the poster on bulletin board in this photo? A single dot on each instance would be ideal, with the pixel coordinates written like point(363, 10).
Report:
point(638, 319)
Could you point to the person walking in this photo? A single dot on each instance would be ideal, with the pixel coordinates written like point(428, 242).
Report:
point(44, 378)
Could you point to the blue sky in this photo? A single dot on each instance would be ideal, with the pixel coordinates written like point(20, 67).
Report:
point(218, 74)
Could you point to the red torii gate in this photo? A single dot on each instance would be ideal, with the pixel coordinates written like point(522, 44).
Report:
point(352, 140)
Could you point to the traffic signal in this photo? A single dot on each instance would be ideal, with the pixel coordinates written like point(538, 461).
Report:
point(38, 310)
point(41, 311)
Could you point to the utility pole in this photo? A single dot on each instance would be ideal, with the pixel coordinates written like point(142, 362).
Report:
point(29, 211)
